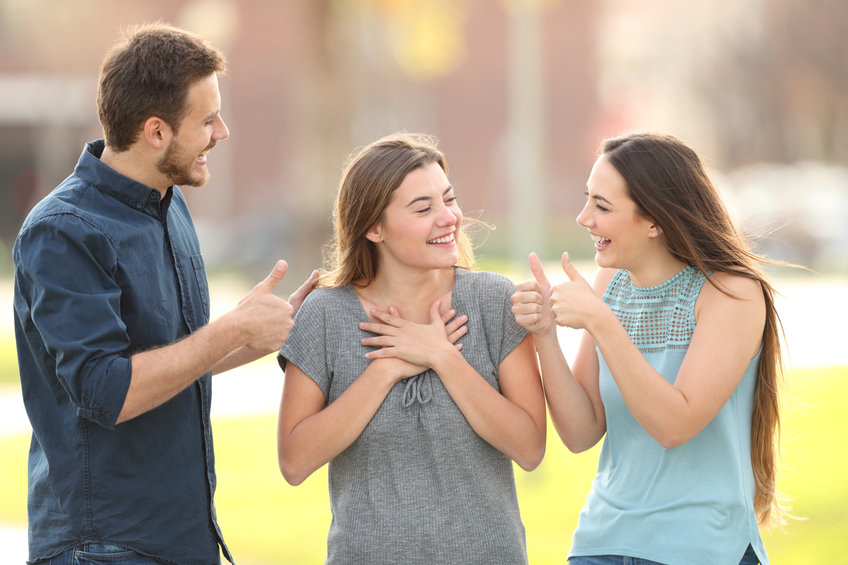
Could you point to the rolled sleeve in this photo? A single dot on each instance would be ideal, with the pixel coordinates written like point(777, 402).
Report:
point(68, 293)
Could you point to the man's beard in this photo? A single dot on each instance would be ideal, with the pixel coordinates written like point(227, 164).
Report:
point(178, 168)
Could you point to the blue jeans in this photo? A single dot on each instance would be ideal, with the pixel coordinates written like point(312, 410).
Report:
point(610, 560)
point(750, 558)
point(100, 554)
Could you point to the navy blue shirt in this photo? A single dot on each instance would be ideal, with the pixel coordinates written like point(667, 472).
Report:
point(104, 269)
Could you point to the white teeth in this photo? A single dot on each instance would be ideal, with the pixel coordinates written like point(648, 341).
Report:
point(445, 239)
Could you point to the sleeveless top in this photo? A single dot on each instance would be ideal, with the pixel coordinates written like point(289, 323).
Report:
point(693, 504)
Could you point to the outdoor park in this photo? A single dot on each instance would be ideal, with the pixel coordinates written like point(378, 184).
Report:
point(267, 522)
point(519, 94)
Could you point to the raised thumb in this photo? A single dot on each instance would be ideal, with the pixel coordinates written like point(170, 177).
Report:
point(273, 279)
point(568, 268)
point(538, 271)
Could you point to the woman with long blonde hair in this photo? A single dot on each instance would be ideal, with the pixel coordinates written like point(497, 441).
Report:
point(677, 369)
point(420, 413)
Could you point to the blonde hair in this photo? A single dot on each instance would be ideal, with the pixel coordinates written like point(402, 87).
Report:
point(370, 178)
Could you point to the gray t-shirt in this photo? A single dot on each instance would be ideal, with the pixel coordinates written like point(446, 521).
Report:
point(418, 485)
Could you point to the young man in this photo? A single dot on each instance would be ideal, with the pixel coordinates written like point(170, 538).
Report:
point(111, 304)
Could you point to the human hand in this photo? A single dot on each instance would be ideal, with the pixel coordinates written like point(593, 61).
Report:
point(415, 343)
point(531, 300)
point(573, 302)
point(298, 296)
point(265, 318)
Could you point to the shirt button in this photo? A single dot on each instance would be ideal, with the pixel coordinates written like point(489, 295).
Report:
point(139, 205)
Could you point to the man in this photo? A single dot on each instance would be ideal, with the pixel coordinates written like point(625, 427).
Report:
point(111, 319)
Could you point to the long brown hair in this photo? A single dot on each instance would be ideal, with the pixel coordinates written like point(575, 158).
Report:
point(668, 183)
point(368, 182)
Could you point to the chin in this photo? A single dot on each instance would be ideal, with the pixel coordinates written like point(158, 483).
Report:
point(604, 262)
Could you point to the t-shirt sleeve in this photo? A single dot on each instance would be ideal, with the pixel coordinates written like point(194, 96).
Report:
point(492, 293)
point(513, 334)
point(306, 345)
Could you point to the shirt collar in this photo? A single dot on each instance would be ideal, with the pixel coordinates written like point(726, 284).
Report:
point(122, 188)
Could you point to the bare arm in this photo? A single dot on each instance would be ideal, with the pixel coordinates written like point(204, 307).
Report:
point(572, 396)
point(257, 326)
point(727, 336)
point(310, 432)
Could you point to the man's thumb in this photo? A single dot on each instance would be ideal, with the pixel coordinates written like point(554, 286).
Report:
point(274, 278)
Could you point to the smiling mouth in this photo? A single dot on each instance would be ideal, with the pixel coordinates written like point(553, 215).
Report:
point(601, 242)
point(444, 239)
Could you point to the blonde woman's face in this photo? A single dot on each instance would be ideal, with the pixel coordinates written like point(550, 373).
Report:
point(418, 228)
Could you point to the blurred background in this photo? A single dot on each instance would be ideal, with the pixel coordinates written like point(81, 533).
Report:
point(520, 94)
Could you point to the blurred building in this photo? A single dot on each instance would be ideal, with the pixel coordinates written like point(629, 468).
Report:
point(308, 82)
point(519, 92)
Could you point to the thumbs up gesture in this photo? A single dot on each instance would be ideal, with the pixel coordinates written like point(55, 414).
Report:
point(264, 317)
point(572, 301)
point(531, 301)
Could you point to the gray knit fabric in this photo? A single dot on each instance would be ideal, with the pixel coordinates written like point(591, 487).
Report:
point(418, 485)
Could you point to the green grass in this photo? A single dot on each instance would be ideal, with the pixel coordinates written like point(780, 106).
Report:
point(269, 522)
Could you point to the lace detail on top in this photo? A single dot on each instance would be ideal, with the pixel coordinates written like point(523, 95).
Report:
point(659, 317)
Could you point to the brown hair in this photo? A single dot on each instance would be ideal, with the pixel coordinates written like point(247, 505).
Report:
point(367, 184)
point(668, 183)
point(149, 73)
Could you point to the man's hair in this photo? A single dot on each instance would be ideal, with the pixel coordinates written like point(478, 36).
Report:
point(148, 73)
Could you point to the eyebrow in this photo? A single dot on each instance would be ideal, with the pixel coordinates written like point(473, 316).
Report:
point(419, 198)
point(597, 197)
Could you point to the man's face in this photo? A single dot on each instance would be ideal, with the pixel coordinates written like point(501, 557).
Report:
point(184, 161)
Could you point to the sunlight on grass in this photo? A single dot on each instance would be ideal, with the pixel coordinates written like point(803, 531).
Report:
point(268, 522)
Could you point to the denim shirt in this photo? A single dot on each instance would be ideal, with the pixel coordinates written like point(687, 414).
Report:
point(105, 269)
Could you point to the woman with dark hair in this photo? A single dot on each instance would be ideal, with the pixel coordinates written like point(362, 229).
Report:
point(420, 430)
point(677, 376)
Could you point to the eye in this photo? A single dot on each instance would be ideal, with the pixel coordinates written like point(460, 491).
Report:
point(423, 210)
point(601, 208)
point(450, 200)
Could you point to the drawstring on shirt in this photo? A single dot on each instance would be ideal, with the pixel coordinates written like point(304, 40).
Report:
point(415, 390)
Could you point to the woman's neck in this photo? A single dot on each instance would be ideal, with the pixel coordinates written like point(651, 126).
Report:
point(652, 273)
point(412, 293)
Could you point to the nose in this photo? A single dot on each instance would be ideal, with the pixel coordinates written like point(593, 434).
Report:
point(221, 130)
point(447, 217)
point(583, 217)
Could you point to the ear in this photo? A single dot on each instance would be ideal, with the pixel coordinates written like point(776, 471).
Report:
point(654, 230)
point(375, 233)
point(156, 132)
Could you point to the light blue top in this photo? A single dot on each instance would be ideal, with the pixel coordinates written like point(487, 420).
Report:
point(691, 505)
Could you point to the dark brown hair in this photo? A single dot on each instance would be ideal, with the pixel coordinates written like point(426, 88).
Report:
point(367, 184)
point(668, 183)
point(148, 73)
